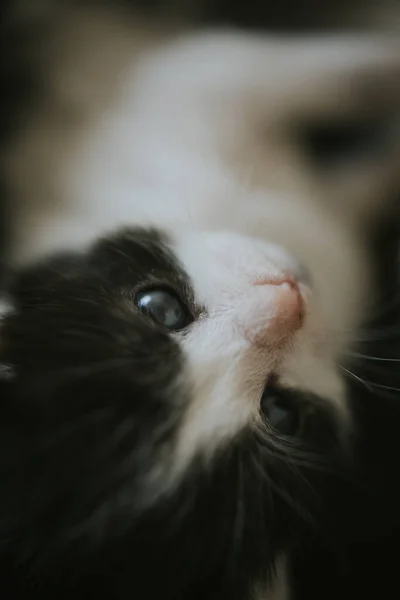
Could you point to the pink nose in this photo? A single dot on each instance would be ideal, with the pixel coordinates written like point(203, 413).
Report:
point(288, 304)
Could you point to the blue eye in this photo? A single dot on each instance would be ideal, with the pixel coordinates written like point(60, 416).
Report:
point(164, 308)
point(281, 410)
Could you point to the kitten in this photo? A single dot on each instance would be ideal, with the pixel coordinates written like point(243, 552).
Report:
point(173, 400)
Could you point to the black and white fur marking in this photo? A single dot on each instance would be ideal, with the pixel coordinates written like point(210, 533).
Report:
point(136, 458)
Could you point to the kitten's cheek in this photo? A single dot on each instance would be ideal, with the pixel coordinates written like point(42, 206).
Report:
point(314, 337)
point(304, 277)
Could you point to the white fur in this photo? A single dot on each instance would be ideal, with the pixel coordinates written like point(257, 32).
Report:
point(191, 137)
point(233, 348)
point(158, 129)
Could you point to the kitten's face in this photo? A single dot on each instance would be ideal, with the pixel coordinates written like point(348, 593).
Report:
point(243, 316)
point(151, 360)
point(164, 395)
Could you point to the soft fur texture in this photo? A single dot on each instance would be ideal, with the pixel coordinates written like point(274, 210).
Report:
point(128, 449)
point(160, 456)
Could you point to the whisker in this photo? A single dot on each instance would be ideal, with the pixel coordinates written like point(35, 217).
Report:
point(264, 475)
point(296, 456)
point(370, 385)
point(239, 519)
point(293, 459)
point(300, 510)
point(357, 378)
point(374, 358)
point(384, 387)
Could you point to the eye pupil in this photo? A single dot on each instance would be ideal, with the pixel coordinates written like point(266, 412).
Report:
point(281, 411)
point(164, 308)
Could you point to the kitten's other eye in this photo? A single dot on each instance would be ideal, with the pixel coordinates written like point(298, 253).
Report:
point(280, 409)
point(164, 307)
